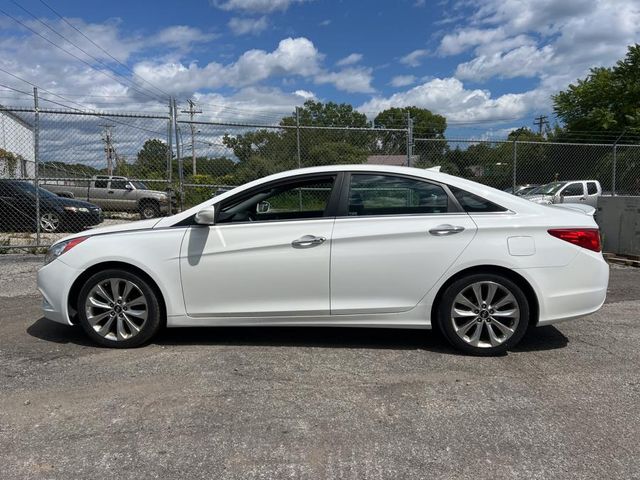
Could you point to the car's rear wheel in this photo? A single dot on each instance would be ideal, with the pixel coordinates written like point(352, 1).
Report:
point(483, 314)
point(119, 309)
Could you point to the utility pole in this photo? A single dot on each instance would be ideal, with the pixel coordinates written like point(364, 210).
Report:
point(109, 149)
point(192, 111)
point(540, 122)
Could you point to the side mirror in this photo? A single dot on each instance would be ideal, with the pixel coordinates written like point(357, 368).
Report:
point(128, 186)
point(263, 207)
point(206, 216)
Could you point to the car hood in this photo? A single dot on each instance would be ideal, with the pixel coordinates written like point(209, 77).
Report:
point(538, 198)
point(67, 202)
point(123, 227)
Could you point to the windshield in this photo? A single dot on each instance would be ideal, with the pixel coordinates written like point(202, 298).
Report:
point(548, 189)
point(138, 185)
point(30, 188)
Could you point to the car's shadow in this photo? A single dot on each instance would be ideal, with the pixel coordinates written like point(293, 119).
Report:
point(538, 339)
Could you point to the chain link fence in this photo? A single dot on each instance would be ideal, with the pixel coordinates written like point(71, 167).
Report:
point(64, 171)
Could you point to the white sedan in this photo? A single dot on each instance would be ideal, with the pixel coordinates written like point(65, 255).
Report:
point(352, 246)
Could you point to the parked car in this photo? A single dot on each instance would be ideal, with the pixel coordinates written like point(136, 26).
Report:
point(574, 191)
point(348, 245)
point(115, 193)
point(57, 214)
point(521, 190)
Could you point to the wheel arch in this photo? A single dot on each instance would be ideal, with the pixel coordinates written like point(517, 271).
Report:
point(527, 289)
point(74, 291)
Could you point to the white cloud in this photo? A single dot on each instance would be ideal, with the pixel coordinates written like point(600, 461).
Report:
point(530, 62)
point(349, 80)
point(449, 97)
point(294, 56)
point(255, 6)
point(251, 104)
point(349, 59)
point(403, 80)
point(307, 95)
point(181, 36)
point(325, 23)
point(243, 26)
point(414, 58)
point(556, 42)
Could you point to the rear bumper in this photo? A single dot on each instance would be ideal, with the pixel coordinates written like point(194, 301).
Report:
point(54, 281)
point(571, 291)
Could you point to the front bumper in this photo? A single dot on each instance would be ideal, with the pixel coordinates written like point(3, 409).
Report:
point(82, 219)
point(54, 283)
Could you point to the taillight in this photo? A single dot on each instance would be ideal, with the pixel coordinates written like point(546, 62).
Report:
point(588, 238)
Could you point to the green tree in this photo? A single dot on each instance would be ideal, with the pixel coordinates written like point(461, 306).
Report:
point(426, 124)
point(151, 161)
point(607, 100)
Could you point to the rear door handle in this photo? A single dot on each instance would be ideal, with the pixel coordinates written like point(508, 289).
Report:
point(445, 229)
point(308, 241)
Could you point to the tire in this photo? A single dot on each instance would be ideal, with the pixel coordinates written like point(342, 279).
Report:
point(50, 222)
point(131, 323)
point(487, 326)
point(149, 210)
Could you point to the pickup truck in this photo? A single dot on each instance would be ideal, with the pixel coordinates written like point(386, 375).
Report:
point(573, 191)
point(114, 194)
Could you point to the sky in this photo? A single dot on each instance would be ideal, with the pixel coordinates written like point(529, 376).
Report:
point(488, 66)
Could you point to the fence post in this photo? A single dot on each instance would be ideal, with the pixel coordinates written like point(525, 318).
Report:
point(409, 139)
point(515, 164)
point(36, 160)
point(170, 154)
point(298, 135)
point(179, 154)
point(613, 172)
point(615, 163)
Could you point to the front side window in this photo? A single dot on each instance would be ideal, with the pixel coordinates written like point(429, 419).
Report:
point(573, 190)
point(592, 188)
point(297, 200)
point(373, 194)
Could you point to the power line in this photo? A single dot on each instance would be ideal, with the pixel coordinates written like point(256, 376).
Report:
point(102, 49)
point(74, 55)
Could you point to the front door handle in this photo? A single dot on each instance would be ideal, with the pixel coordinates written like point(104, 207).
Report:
point(308, 241)
point(445, 229)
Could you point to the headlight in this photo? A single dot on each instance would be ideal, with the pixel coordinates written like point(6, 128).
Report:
point(76, 209)
point(61, 247)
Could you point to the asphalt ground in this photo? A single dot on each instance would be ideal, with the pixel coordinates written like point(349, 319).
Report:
point(316, 403)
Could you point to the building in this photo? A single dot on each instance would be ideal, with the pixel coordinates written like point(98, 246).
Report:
point(17, 146)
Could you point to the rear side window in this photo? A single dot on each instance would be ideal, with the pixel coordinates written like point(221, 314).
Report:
point(592, 188)
point(371, 194)
point(473, 203)
point(101, 184)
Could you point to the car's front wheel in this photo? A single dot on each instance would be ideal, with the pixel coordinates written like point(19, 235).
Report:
point(119, 309)
point(483, 314)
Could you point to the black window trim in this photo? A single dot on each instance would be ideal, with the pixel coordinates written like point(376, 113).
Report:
point(453, 207)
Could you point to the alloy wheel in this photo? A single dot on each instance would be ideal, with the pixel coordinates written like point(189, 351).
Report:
point(116, 309)
point(49, 222)
point(485, 314)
